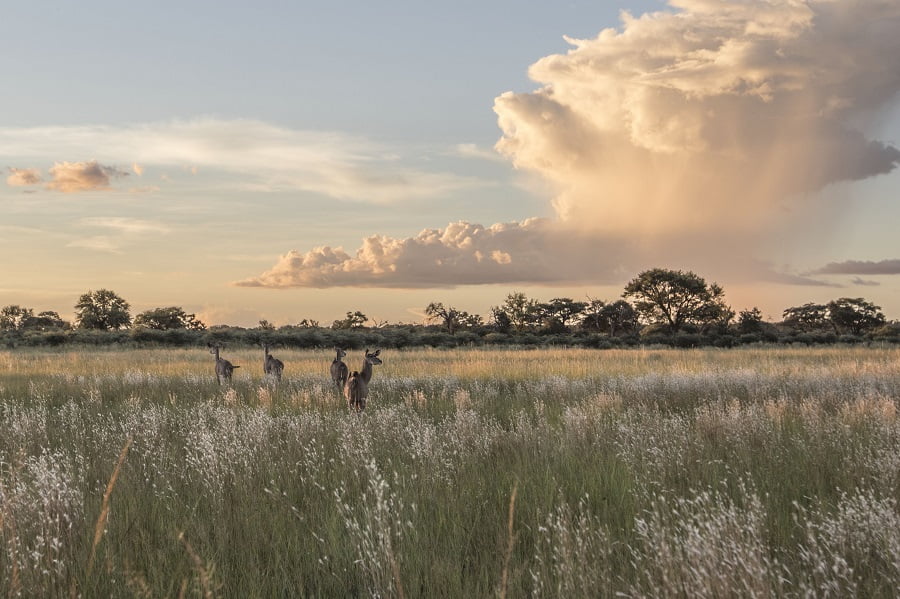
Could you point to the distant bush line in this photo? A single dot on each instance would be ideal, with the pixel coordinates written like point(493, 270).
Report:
point(411, 335)
point(659, 306)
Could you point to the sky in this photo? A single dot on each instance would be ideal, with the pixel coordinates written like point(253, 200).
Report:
point(300, 160)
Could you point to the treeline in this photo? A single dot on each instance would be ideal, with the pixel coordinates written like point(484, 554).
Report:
point(659, 306)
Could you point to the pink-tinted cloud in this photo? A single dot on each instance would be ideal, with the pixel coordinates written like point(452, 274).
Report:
point(23, 176)
point(71, 177)
point(536, 250)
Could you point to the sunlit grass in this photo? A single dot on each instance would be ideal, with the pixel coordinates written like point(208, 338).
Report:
point(748, 472)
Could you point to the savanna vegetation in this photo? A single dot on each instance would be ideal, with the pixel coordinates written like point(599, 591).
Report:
point(753, 472)
point(657, 307)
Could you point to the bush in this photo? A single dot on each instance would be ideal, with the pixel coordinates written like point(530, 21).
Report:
point(686, 340)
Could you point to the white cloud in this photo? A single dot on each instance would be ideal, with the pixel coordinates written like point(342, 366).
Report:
point(710, 116)
point(686, 139)
point(97, 243)
point(536, 250)
point(469, 150)
point(124, 225)
point(264, 155)
point(120, 232)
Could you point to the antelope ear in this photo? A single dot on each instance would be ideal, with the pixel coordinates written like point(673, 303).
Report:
point(377, 351)
point(367, 350)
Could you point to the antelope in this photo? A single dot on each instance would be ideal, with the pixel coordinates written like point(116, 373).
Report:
point(356, 391)
point(369, 361)
point(224, 368)
point(339, 370)
point(272, 366)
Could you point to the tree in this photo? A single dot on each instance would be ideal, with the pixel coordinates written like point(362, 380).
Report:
point(164, 319)
point(619, 316)
point(521, 312)
point(591, 317)
point(677, 298)
point(13, 317)
point(750, 321)
point(354, 320)
point(265, 325)
point(103, 310)
point(45, 321)
point(451, 318)
point(807, 317)
point(307, 323)
point(613, 318)
point(561, 312)
point(854, 314)
point(500, 320)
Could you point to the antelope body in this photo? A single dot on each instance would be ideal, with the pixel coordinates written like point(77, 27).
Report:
point(356, 391)
point(272, 366)
point(370, 359)
point(224, 368)
point(339, 370)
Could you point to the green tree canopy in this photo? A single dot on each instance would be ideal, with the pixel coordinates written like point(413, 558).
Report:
point(13, 317)
point(103, 310)
point(613, 318)
point(807, 317)
point(451, 318)
point(518, 311)
point(561, 312)
point(164, 319)
point(855, 315)
point(750, 321)
point(677, 298)
point(619, 317)
point(353, 320)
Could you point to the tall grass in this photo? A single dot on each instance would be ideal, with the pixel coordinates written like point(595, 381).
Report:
point(552, 473)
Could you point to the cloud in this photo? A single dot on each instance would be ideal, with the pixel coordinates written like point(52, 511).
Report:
point(97, 243)
point(534, 251)
point(124, 225)
point(537, 251)
point(121, 231)
point(71, 177)
point(865, 282)
point(469, 150)
point(860, 267)
point(715, 115)
point(265, 157)
point(23, 176)
point(688, 138)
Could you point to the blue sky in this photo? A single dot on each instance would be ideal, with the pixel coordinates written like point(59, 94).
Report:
point(201, 154)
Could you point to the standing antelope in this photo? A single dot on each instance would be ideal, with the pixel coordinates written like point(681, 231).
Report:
point(369, 361)
point(339, 370)
point(272, 366)
point(224, 368)
point(356, 391)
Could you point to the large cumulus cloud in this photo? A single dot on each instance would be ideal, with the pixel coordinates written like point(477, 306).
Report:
point(536, 250)
point(714, 115)
point(690, 134)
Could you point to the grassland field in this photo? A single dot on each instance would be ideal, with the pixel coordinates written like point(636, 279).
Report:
point(750, 472)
